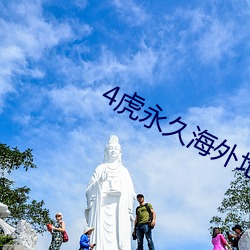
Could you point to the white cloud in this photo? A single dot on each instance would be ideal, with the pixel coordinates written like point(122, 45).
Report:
point(198, 20)
point(238, 101)
point(80, 102)
point(131, 12)
point(32, 33)
point(217, 42)
point(143, 64)
point(200, 33)
point(80, 3)
point(105, 69)
point(109, 68)
point(25, 36)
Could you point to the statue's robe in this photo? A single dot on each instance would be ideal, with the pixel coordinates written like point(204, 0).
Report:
point(244, 242)
point(110, 197)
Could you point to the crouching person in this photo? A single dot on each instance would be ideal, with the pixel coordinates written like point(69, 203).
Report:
point(85, 239)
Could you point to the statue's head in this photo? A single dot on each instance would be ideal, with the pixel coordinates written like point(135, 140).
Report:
point(4, 211)
point(113, 150)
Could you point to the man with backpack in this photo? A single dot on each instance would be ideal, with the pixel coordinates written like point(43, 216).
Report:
point(144, 223)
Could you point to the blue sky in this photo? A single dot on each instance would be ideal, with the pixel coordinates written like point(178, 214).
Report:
point(189, 57)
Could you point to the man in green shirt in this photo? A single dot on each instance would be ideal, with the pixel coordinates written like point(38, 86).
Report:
point(144, 223)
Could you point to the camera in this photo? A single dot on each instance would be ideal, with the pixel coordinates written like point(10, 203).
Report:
point(134, 235)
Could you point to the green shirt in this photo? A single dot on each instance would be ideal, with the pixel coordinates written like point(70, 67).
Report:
point(142, 214)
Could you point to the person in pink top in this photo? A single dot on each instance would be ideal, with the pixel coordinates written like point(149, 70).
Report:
point(219, 241)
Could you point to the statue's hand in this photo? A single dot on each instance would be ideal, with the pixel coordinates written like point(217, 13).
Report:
point(104, 176)
point(90, 201)
point(90, 204)
point(132, 217)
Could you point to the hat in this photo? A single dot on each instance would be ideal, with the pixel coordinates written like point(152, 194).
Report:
point(59, 213)
point(237, 227)
point(87, 229)
point(140, 195)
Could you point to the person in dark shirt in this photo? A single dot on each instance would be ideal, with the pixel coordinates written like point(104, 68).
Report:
point(236, 237)
point(143, 223)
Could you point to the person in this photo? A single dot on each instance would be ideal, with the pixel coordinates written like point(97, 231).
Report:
point(231, 240)
point(218, 240)
point(85, 239)
point(142, 226)
point(110, 198)
point(56, 231)
point(239, 231)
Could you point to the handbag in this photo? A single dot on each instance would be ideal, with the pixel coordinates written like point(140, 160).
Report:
point(65, 236)
point(49, 227)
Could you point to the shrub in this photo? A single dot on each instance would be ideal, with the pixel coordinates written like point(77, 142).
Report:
point(6, 240)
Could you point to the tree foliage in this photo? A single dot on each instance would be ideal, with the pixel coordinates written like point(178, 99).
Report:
point(13, 158)
point(235, 206)
point(17, 199)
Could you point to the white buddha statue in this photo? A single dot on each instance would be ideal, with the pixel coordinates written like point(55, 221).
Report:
point(4, 212)
point(110, 197)
point(25, 237)
point(244, 242)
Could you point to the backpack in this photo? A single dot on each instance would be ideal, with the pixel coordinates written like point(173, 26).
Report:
point(149, 212)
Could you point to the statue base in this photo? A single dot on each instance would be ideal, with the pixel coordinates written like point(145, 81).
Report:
point(12, 247)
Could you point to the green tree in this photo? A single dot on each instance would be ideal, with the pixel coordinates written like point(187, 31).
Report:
point(235, 207)
point(17, 199)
